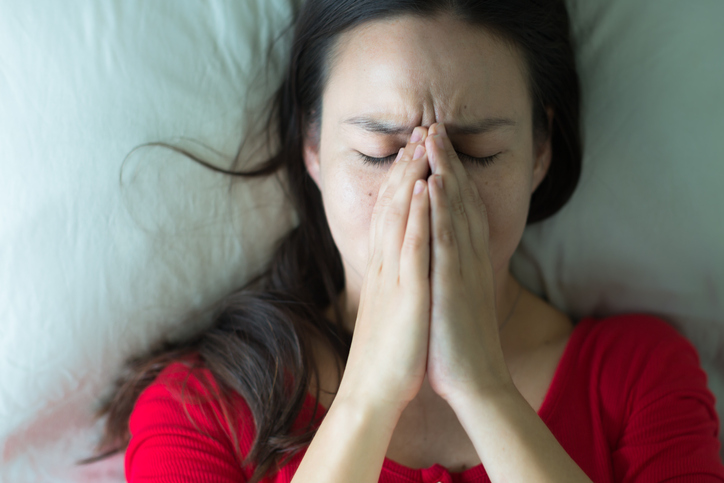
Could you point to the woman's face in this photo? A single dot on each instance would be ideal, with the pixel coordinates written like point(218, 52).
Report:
point(388, 77)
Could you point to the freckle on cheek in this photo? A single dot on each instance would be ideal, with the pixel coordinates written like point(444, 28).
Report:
point(369, 194)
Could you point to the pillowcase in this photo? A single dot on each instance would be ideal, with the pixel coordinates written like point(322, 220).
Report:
point(106, 248)
point(644, 231)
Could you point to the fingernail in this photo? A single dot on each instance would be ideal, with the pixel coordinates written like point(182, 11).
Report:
point(419, 151)
point(441, 130)
point(399, 154)
point(416, 135)
point(419, 186)
point(438, 180)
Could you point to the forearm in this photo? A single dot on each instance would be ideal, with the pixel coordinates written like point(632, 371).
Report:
point(350, 445)
point(512, 442)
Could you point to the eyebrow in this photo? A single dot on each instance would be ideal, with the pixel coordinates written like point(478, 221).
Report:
point(480, 126)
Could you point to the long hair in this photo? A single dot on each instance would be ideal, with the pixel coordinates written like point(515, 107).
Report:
point(270, 322)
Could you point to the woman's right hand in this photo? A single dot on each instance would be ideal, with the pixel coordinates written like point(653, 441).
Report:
point(388, 356)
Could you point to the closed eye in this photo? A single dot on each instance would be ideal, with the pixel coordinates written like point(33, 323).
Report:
point(463, 157)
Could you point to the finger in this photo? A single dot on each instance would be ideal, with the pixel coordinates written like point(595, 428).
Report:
point(478, 221)
point(445, 261)
point(415, 254)
point(394, 174)
point(472, 203)
point(392, 181)
point(419, 134)
point(394, 220)
point(443, 161)
point(380, 203)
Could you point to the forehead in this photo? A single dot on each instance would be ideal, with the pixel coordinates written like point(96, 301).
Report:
point(425, 70)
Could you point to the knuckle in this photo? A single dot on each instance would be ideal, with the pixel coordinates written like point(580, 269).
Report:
point(393, 217)
point(468, 193)
point(404, 160)
point(450, 152)
point(386, 197)
point(457, 206)
point(382, 203)
point(413, 242)
point(442, 170)
point(445, 237)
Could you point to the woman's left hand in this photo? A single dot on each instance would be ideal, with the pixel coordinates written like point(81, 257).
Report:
point(464, 353)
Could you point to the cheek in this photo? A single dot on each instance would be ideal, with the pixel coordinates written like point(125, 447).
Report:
point(506, 199)
point(349, 198)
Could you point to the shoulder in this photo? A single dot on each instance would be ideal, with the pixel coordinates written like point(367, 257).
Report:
point(181, 417)
point(647, 386)
point(631, 334)
point(186, 391)
point(641, 346)
point(182, 379)
point(633, 323)
point(637, 359)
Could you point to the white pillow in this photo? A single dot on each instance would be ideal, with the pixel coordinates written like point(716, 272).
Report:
point(94, 271)
point(644, 231)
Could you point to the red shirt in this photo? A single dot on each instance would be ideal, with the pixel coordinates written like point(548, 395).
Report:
point(628, 402)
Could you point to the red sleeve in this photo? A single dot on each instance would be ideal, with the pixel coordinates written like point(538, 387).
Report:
point(170, 445)
point(670, 427)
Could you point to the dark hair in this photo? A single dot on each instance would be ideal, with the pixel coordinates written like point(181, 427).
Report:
point(270, 322)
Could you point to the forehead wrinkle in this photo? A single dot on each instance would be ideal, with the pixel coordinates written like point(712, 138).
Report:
point(418, 90)
point(469, 127)
point(424, 105)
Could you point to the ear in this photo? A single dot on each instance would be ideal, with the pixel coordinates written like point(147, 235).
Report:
point(543, 154)
point(311, 156)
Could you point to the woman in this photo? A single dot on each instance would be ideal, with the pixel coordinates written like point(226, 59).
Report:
point(419, 138)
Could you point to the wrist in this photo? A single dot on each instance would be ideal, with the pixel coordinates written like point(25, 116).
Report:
point(500, 392)
point(368, 407)
point(350, 443)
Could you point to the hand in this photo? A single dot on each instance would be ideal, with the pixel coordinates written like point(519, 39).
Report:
point(388, 356)
point(464, 351)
